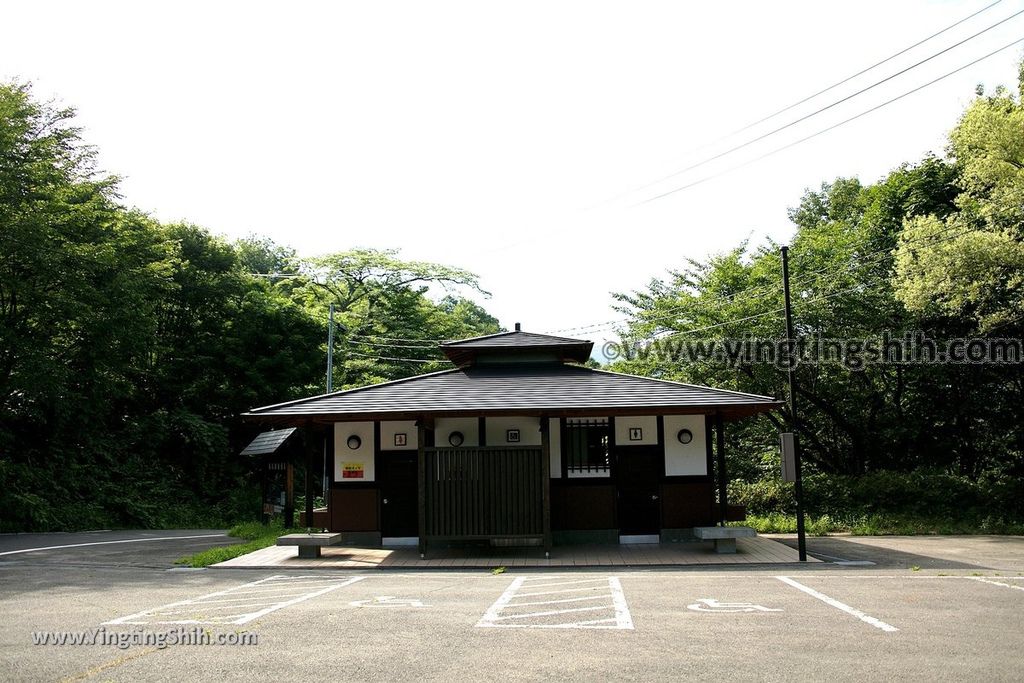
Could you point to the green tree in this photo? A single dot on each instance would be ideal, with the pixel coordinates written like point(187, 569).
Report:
point(128, 348)
point(882, 416)
point(261, 255)
point(390, 323)
point(971, 262)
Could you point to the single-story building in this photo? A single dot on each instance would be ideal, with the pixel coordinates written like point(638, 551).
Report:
point(521, 443)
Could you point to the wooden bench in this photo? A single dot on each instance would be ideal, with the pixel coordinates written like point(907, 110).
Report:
point(723, 536)
point(309, 544)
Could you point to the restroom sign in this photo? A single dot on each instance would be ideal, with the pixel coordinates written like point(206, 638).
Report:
point(352, 470)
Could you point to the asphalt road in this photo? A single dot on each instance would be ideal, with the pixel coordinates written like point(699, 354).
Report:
point(155, 549)
point(958, 615)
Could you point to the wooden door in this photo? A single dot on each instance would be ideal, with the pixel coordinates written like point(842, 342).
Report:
point(399, 491)
point(638, 478)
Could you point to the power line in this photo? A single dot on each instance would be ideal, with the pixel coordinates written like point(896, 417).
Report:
point(394, 345)
point(830, 128)
point(881, 252)
point(862, 71)
point(398, 339)
point(770, 288)
point(820, 297)
point(937, 238)
point(395, 358)
point(666, 314)
point(776, 311)
point(811, 97)
point(792, 123)
point(723, 324)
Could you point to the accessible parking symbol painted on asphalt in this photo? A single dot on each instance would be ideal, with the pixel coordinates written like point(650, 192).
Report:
point(560, 602)
point(389, 601)
point(712, 605)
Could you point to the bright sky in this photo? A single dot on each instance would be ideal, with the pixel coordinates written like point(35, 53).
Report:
point(499, 137)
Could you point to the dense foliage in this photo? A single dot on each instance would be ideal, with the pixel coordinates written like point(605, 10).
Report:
point(936, 247)
point(128, 347)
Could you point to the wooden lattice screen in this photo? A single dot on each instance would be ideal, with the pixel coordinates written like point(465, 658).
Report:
point(484, 492)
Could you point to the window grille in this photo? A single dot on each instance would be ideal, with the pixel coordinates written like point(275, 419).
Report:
point(585, 445)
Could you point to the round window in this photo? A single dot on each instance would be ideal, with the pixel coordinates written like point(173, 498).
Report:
point(684, 436)
point(354, 442)
point(456, 439)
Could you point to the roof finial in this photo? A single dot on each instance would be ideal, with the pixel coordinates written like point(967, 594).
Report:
point(518, 328)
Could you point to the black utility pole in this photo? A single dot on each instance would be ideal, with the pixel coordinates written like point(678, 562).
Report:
point(791, 367)
point(330, 385)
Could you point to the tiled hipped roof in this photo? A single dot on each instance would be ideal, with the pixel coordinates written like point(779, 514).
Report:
point(543, 388)
point(517, 343)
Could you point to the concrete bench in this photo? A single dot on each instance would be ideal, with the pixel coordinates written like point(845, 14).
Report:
point(723, 536)
point(309, 544)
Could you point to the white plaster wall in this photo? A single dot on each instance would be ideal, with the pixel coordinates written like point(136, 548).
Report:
point(388, 431)
point(685, 459)
point(343, 454)
point(555, 432)
point(469, 426)
point(648, 423)
point(496, 428)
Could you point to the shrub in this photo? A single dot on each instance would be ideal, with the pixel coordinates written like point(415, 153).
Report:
point(920, 495)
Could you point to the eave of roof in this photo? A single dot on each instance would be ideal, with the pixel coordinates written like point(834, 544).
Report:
point(551, 389)
point(266, 443)
point(514, 338)
point(517, 343)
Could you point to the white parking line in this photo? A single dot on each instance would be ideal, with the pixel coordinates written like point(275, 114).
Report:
point(565, 583)
point(877, 623)
point(249, 617)
point(607, 590)
point(552, 612)
point(283, 595)
point(623, 618)
point(126, 540)
point(995, 583)
point(566, 590)
point(490, 617)
point(265, 601)
point(288, 589)
point(554, 602)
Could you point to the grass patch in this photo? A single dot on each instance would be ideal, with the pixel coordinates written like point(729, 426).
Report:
point(778, 523)
point(256, 535)
point(880, 525)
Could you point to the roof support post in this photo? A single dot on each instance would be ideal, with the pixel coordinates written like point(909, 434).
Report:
point(289, 495)
point(421, 479)
point(723, 494)
point(545, 447)
point(329, 474)
point(313, 448)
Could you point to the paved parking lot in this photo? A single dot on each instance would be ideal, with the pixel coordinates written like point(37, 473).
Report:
point(960, 621)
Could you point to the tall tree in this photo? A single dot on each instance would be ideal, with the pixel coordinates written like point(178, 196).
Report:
point(971, 262)
point(390, 323)
point(853, 418)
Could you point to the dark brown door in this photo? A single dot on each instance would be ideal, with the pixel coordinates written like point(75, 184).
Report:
point(638, 474)
point(399, 489)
